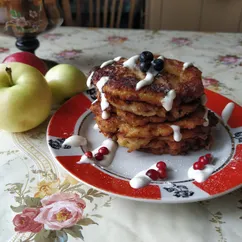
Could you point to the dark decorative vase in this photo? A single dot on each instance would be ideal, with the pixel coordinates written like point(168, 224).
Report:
point(26, 19)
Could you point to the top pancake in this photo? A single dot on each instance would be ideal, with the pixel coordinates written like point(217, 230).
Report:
point(122, 82)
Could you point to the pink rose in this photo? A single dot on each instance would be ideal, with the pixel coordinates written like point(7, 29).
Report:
point(69, 54)
point(229, 59)
point(61, 210)
point(24, 222)
point(117, 39)
point(207, 81)
point(181, 41)
point(2, 50)
point(21, 22)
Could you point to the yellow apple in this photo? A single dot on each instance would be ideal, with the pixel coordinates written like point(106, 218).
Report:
point(25, 97)
point(65, 81)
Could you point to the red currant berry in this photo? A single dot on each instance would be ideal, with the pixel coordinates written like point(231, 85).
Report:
point(161, 165)
point(88, 154)
point(209, 157)
point(203, 160)
point(98, 156)
point(198, 166)
point(103, 150)
point(162, 173)
point(153, 174)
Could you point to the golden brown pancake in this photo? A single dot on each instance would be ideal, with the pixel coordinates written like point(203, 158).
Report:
point(138, 119)
point(156, 142)
point(180, 148)
point(114, 124)
point(122, 82)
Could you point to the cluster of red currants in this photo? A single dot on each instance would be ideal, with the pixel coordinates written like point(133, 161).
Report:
point(202, 162)
point(160, 173)
point(99, 155)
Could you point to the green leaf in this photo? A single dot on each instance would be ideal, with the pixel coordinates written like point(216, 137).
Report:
point(90, 191)
point(213, 220)
point(107, 204)
point(95, 207)
point(80, 190)
point(99, 194)
point(13, 13)
point(89, 198)
point(221, 222)
point(97, 215)
point(17, 186)
point(19, 28)
point(32, 202)
point(86, 222)
point(18, 209)
point(61, 236)
point(18, 199)
point(45, 236)
point(95, 193)
point(54, 176)
point(74, 231)
point(65, 186)
point(18, 14)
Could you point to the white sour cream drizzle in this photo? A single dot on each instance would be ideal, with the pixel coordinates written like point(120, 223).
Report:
point(89, 80)
point(131, 62)
point(204, 99)
point(161, 57)
point(200, 175)
point(186, 65)
point(167, 101)
point(227, 112)
point(106, 63)
point(104, 103)
point(75, 141)
point(141, 180)
point(107, 159)
point(117, 58)
point(177, 136)
point(149, 78)
point(95, 127)
point(105, 115)
point(95, 101)
point(206, 122)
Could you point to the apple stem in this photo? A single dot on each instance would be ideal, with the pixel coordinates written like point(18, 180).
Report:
point(9, 72)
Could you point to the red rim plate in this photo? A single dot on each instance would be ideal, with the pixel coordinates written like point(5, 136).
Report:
point(63, 123)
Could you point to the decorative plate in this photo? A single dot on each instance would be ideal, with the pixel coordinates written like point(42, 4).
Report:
point(74, 117)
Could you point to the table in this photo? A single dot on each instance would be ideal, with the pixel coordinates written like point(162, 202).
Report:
point(28, 170)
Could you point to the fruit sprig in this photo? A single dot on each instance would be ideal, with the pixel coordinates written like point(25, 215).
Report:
point(99, 155)
point(160, 173)
point(146, 59)
point(202, 162)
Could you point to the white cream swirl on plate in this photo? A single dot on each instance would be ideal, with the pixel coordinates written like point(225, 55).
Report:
point(107, 159)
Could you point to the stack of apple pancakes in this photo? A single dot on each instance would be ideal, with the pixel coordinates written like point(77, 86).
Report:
point(152, 103)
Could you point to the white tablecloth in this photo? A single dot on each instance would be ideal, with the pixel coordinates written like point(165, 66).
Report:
point(28, 170)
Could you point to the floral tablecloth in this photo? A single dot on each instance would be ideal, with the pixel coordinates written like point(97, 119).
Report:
point(70, 210)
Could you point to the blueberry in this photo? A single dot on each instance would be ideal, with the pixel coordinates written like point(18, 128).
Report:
point(144, 66)
point(146, 56)
point(158, 64)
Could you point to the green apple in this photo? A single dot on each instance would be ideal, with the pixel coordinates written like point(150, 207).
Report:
point(65, 81)
point(25, 97)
